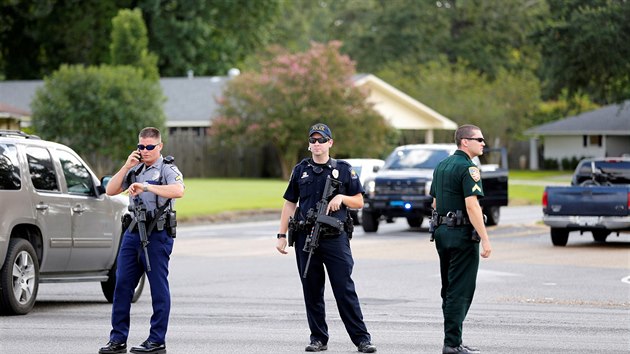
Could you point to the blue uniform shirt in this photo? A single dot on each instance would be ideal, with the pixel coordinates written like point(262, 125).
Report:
point(308, 179)
point(170, 174)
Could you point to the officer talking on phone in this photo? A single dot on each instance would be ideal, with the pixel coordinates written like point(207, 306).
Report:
point(153, 182)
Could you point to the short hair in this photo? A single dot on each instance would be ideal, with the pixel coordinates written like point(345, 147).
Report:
point(464, 131)
point(150, 132)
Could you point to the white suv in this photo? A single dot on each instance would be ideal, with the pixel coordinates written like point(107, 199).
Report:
point(57, 224)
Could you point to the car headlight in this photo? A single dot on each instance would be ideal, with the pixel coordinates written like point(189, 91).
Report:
point(370, 187)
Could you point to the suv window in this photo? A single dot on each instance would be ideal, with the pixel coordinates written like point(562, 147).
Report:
point(415, 159)
point(41, 168)
point(9, 168)
point(78, 178)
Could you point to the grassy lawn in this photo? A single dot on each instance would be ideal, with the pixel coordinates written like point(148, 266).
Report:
point(213, 196)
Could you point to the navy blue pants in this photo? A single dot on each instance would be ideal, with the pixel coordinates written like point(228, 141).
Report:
point(336, 255)
point(131, 265)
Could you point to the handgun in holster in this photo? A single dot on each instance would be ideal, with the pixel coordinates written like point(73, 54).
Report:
point(294, 225)
point(433, 224)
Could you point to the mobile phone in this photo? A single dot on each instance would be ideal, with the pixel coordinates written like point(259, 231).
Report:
point(140, 156)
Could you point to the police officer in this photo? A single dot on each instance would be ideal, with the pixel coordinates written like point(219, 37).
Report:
point(306, 187)
point(455, 189)
point(153, 180)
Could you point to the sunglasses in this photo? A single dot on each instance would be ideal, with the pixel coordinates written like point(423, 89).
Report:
point(318, 140)
point(481, 140)
point(148, 147)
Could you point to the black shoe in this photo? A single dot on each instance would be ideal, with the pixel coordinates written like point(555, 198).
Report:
point(461, 349)
point(366, 347)
point(113, 348)
point(149, 347)
point(315, 346)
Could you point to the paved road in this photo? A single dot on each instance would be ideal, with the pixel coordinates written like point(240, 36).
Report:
point(233, 293)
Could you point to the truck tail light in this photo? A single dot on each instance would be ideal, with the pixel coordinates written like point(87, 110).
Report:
point(545, 199)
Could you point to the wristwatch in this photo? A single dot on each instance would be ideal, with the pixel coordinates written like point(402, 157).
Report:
point(282, 235)
point(145, 187)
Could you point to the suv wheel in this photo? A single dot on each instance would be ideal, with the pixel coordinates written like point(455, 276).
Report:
point(109, 286)
point(493, 215)
point(19, 278)
point(369, 221)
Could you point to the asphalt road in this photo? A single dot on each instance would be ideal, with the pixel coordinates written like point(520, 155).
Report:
point(232, 292)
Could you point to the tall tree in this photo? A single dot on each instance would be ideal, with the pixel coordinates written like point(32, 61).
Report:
point(501, 107)
point(130, 43)
point(586, 48)
point(208, 37)
point(293, 91)
point(98, 111)
point(36, 37)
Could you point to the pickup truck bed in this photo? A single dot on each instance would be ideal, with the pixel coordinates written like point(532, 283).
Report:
point(601, 208)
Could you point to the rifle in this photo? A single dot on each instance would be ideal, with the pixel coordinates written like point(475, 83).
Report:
point(140, 211)
point(319, 218)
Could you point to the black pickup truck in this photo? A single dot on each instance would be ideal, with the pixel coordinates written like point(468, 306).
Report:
point(597, 201)
point(401, 188)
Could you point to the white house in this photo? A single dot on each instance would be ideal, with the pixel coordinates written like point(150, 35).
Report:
point(598, 133)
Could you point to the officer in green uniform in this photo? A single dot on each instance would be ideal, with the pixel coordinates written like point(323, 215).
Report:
point(459, 227)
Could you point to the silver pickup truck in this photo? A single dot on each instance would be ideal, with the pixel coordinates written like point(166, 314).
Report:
point(56, 222)
point(598, 201)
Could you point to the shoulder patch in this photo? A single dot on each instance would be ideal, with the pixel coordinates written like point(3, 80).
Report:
point(474, 173)
point(353, 174)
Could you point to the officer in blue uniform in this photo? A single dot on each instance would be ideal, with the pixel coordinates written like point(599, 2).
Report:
point(306, 187)
point(155, 181)
point(459, 229)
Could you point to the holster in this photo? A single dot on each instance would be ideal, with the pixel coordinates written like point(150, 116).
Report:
point(171, 223)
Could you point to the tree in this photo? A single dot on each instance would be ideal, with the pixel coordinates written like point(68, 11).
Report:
point(291, 92)
point(36, 37)
point(129, 44)
point(500, 107)
point(208, 37)
point(98, 111)
point(586, 48)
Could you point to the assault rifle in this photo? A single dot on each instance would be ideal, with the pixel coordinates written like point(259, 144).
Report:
point(320, 220)
point(140, 212)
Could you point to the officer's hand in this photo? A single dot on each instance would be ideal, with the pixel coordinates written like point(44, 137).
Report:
point(281, 245)
point(136, 188)
point(486, 248)
point(335, 203)
point(133, 159)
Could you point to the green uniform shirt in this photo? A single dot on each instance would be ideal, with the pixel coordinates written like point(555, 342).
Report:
point(455, 178)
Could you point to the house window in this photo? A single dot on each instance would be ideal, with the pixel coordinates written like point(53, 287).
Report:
point(592, 140)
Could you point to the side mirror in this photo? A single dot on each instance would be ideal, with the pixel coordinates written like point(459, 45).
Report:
point(376, 168)
point(104, 181)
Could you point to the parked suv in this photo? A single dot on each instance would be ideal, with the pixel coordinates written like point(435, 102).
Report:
point(57, 224)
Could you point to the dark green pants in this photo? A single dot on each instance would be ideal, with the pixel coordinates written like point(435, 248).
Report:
point(459, 262)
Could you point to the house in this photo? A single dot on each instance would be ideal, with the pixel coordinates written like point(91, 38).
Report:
point(191, 103)
point(12, 118)
point(598, 133)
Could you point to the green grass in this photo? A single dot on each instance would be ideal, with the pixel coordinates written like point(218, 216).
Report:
point(214, 196)
point(531, 194)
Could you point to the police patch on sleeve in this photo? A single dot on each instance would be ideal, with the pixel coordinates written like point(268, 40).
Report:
point(353, 174)
point(474, 173)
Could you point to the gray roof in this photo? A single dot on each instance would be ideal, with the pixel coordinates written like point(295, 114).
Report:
point(191, 101)
point(19, 94)
point(608, 120)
